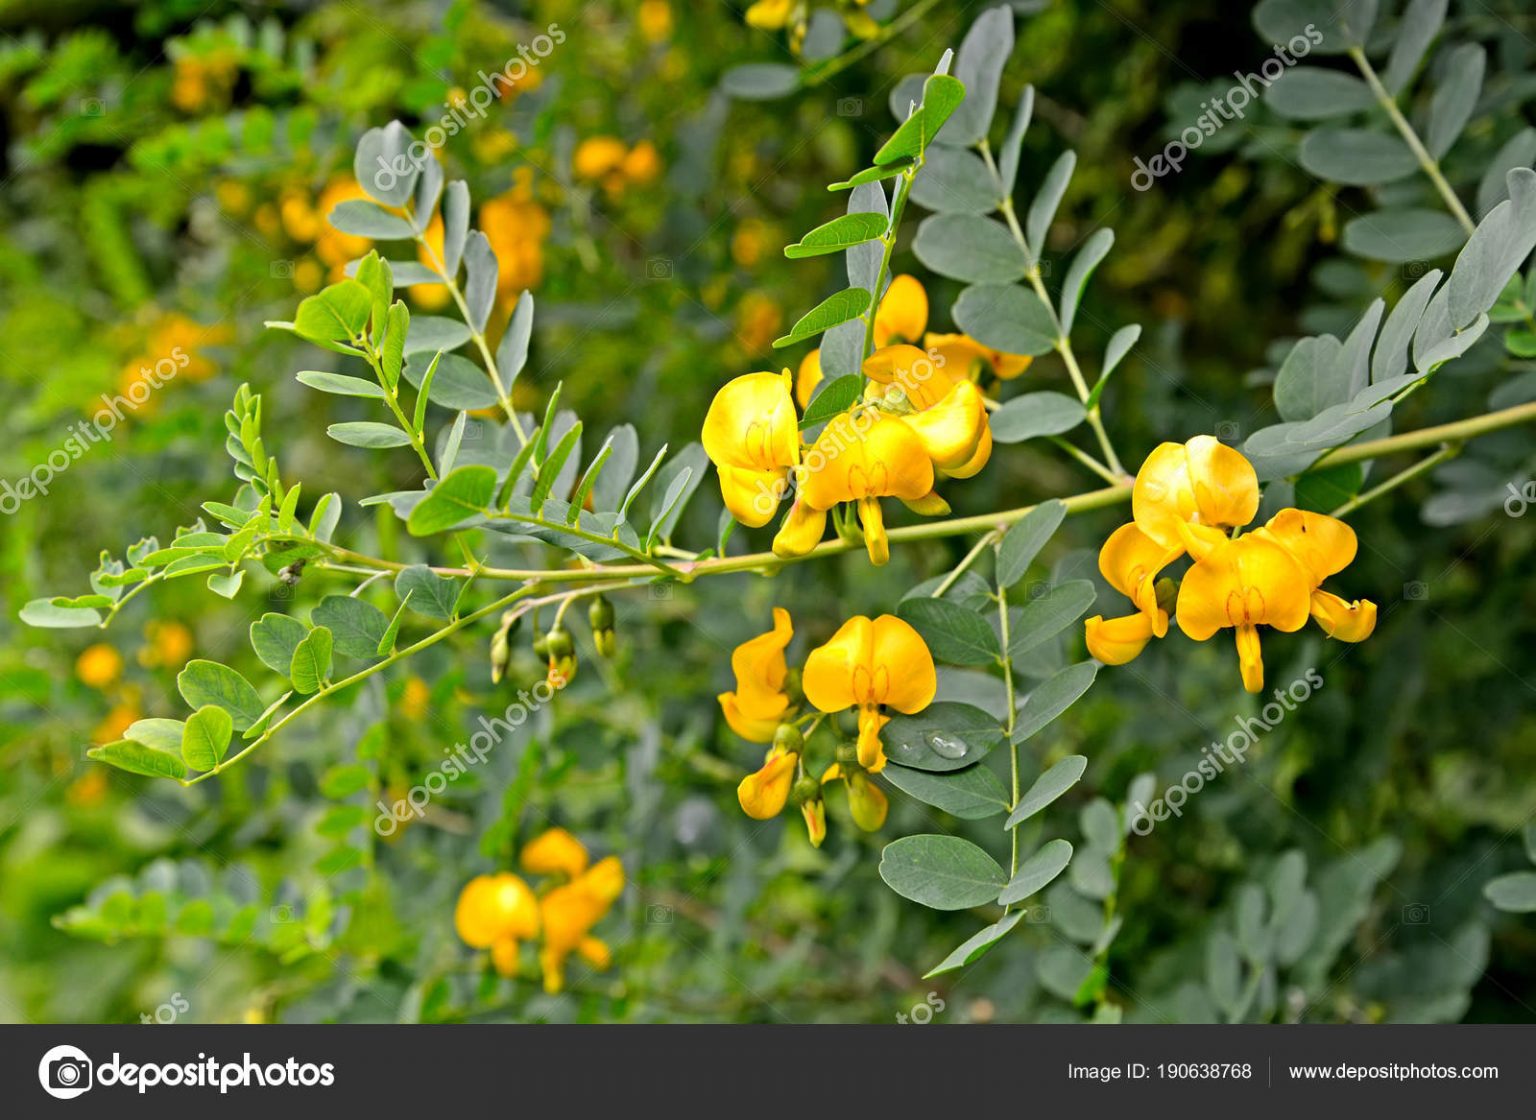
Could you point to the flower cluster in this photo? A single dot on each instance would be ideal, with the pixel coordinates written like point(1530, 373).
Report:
point(867, 667)
point(498, 912)
point(1196, 498)
point(922, 417)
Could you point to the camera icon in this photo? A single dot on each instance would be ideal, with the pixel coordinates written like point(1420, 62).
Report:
point(850, 106)
point(1416, 914)
point(658, 268)
point(1038, 915)
point(1416, 590)
point(1414, 270)
point(1228, 431)
point(65, 1072)
point(280, 913)
point(93, 107)
point(659, 590)
point(1044, 267)
point(281, 270)
point(1037, 589)
point(472, 432)
point(281, 590)
point(658, 915)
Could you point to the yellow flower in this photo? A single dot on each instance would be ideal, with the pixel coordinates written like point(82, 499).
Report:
point(1200, 482)
point(596, 156)
point(752, 435)
point(116, 722)
point(169, 645)
point(764, 792)
point(516, 227)
point(903, 312)
point(760, 704)
point(495, 912)
point(331, 245)
point(655, 20)
point(1116, 641)
point(947, 413)
point(808, 376)
point(1185, 499)
point(568, 914)
point(748, 242)
point(770, 15)
point(98, 666)
point(866, 801)
point(862, 458)
point(1243, 583)
point(871, 665)
point(642, 164)
point(758, 320)
point(554, 852)
point(964, 356)
point(1325, 546)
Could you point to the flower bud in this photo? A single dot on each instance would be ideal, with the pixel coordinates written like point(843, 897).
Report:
point(501, 655)
point(601, 617)
point(847, 755)
point(1167, 590)
point(788, 738)
point(561, 652)
point(806, 788)
point(814, 813)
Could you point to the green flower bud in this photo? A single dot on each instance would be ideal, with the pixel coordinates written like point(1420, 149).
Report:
point(788, 738)
point(1167, 590)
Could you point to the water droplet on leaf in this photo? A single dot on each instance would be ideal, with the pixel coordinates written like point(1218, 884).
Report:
point(947, 746)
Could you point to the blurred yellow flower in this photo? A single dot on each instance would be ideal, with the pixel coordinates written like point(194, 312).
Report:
point(89, 789)
point(116, 722)
point(596, 156)
point(414, 699)
point(517, 226)
point(554, 852)
point(759, 319)
point(202, 81)
point(168, 645)
point(871, 665)
point(570, 911)
point(99, 666)
point(655, 20)
point(496, 912)
point(770, 15)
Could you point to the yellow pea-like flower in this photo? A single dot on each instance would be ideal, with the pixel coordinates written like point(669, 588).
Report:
point(764, 793)
point(752, 435)
point(1243, 583)
point(965, 357)
point(947, 413)
point(568, 914)
point(495, 912)
point(1116, 641)
point(866, 801)
point(759, 704)
point(808, 376)
point(903, 312)
point(871, 665)
point(1324, 546)
point(554, 852)
point(769, 15)
point(862, 458)
point(596, 156)
point(1130, 560)
point(1201, 482)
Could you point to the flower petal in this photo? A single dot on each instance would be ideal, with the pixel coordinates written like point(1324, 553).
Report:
point(554, 852)
point(1116, 641)
point(763, 793)
point(902, 666)
point(752, 423)
point(808, 376)
point(1348, 622)
point(903, 311)
point(802, 530)
point(1324, 545)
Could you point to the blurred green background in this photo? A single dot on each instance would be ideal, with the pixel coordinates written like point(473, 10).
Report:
point(164, 177)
